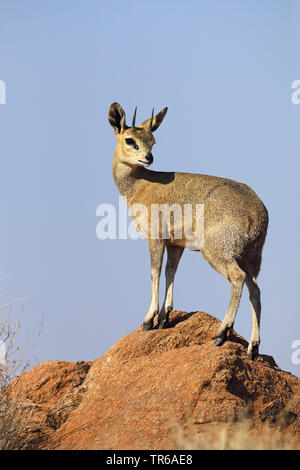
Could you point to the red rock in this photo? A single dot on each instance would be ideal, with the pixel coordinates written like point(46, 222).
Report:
point(150, 383)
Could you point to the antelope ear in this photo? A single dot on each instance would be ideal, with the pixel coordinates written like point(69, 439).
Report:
point(117, 118)
point(157, 120)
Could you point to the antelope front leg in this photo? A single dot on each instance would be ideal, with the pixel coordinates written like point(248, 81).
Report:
point(157, 249)
point(174, 255)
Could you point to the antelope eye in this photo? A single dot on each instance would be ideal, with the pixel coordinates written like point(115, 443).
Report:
point(130, 141)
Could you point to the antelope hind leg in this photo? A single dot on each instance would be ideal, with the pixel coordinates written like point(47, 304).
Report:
point(236, 277)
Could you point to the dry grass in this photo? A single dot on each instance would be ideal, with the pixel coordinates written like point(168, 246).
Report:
point(17, 356)
point(13, 362)
point(14, 414)
point(240, 434)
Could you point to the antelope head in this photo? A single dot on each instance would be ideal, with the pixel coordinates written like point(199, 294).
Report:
point(134, 143)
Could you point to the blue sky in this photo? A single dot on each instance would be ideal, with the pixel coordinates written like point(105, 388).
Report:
point(224, 69)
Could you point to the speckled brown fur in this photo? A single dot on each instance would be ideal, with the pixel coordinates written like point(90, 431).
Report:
point(235, 222)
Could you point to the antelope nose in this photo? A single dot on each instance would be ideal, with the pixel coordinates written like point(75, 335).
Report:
point(149, 157)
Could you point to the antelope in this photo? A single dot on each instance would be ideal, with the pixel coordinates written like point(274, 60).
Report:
point(235, 222)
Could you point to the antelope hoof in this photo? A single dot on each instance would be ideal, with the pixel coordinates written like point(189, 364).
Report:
point(148, 326)
point(219, 340)
point(162, 322)
point(253, 353)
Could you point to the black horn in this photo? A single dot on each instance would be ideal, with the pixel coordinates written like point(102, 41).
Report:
point(151, 121)
point(133, 119)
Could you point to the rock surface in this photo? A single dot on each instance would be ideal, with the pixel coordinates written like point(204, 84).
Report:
point(151, 383)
